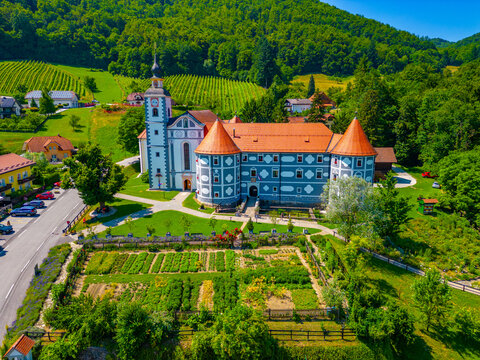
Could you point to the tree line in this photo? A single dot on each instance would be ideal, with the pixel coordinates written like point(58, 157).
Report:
point(245, 40)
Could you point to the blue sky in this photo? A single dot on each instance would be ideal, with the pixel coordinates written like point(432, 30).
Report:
point(450, 20)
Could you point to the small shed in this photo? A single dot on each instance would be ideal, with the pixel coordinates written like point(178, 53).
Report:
point(426, 206)
point(21, 349)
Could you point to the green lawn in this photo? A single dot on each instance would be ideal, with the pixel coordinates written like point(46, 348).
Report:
point(108, 89)
point(423, 188)
point(190, 203)
point(396, 283)
point(124, 207)
point(136, 187)
point(158, 221)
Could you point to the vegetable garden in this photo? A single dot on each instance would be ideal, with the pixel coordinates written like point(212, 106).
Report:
point(185, 280)
point(36, 75)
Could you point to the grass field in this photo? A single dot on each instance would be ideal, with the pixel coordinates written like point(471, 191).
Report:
point(37, 75)
point(123, 208)
point(323, 82)
point(108, 89)
point(397, 283)
point(190, 203)
point(136, 187)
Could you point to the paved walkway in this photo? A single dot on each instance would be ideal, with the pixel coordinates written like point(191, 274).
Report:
point(129, 161)
point(176, 205)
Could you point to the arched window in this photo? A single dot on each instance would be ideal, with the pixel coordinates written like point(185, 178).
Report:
point(186, 156)
point(185, 123)
point(155, 112)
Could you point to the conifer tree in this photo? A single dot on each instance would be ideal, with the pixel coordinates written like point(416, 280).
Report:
point(33, 103)
point(46, 103)
point(311, 87)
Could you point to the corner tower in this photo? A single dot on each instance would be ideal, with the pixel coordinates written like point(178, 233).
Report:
point(158, 110)
point(218, 168)
point(353, 155)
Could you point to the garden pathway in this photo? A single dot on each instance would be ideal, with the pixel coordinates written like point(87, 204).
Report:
point(176, 205)
point(313, 279)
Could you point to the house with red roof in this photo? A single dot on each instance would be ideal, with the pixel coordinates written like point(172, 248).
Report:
point(56, 148)
point(15, 173)
point(21, 349)
point(136, 99)
point(227, 161)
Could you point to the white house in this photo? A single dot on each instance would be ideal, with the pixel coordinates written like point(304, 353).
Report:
point(297, 105)
point(142, 145)
point(66, 98)
point(136, 99)
point(21, 349)
point(8, 107)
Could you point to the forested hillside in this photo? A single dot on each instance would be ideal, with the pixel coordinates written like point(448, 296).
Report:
point(246, 40)
point(462, 51)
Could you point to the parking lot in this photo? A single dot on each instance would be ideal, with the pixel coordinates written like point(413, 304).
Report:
point(20, 222)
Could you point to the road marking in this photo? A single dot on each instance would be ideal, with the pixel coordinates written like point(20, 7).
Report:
point(39, 248)
point(21, 233)
point(65, 216)
point(26, 266)
point(9, 291)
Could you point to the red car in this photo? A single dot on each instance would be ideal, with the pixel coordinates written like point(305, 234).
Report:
point(427, 174)
point(57, 184)
point(48, 195)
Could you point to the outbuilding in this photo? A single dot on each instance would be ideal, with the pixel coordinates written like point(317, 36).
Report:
point(21, 349)
point(426, 206)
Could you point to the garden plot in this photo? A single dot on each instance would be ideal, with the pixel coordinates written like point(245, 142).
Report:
point(190, 280)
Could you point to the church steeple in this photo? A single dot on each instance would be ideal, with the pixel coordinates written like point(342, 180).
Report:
point(157, 81)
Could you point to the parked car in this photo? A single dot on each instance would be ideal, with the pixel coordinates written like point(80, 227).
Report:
point(428, 174)
point(24, 211)
point(35, 203)
point(436, 185)
point(48, 195)
point(5, 229)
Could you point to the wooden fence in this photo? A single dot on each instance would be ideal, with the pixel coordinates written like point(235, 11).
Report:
point(321, 276)
point(297, 335)
point(414, 270)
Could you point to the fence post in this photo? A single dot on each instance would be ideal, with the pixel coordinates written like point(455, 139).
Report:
point(291, 334)
point(342, 332)
point(269, 312)
point(308, 335)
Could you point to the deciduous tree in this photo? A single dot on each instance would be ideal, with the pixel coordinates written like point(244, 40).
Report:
point(131, 125)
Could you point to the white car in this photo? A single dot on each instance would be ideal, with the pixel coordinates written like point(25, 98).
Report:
point(436, 185)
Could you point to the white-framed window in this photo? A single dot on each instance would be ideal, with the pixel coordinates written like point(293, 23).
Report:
point(253, 172)
point(158, 170)
point(186, 156)
point(185, 123)
point(319, 159)
point(299, 174)
point(238, 177)
point(335, 176)
point(275, 158)
point(359, 162)
point(275, 189)
point(335, 161)
point(319, 173)
point(299, 158)
point(275, 173)
point(157, 154)
point(11, 179)
point(216, 179)
point(238, 159)
point(260, 158)
point(299, 190)
point(215, 160)
point(156, 132)
point(155, 112)
point(217, 195)
point(244, 158)
point(65, 155)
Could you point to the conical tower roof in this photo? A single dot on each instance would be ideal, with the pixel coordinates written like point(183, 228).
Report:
point(235, 120)
point(155, 68)
point(217, 142)
point(354, 142)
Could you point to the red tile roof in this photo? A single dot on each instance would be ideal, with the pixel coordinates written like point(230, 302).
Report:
point(135, 95)
point(354, 142)
point(385, 155)
point(11, 162)
point(217, 141)
point(296, 119)
point(143, 135)
point(234, 120)
point(280, 137)
point(23, 345)
point(39, 143)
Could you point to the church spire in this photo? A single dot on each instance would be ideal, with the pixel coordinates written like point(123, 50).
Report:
point(156, 80)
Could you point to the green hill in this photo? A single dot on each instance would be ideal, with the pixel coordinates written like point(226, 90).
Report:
point(218, 38)
point(35, 75)
point(220, 95)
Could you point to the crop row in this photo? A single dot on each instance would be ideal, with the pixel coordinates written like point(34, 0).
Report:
point(225, 292)
point(220, 261)
point(35, 75)
point(230, 260)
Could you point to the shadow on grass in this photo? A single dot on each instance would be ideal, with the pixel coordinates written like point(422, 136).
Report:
point(459, 343)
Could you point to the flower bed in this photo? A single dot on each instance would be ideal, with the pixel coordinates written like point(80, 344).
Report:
point(40, 285)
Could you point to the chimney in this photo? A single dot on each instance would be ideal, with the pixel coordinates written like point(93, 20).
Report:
point(234, 133)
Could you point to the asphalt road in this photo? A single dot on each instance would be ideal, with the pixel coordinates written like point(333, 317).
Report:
point(28, 246)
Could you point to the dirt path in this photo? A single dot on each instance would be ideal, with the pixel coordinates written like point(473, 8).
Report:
point(314, 281)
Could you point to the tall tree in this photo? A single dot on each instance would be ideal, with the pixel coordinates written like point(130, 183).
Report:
point(95, 175)
point(131, 125)
point(90, 83)
point(317, 111)
point(394, 208)
point(264, 66)
point(432, 297)
point(46, 103)
point(74, 121)
point(311, 86)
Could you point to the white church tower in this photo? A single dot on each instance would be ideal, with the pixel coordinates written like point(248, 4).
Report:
point(158, 110)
